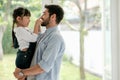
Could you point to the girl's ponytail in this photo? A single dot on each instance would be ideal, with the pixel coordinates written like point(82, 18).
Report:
point(14, 39)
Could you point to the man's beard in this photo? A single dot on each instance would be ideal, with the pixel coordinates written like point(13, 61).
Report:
point(46, 22)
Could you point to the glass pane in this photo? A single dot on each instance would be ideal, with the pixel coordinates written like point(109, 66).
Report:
point(107, 25)
point(93, 44)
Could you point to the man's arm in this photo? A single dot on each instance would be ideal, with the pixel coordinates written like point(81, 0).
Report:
point(34, 70)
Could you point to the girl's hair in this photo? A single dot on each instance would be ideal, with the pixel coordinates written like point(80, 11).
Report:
point(21, 12)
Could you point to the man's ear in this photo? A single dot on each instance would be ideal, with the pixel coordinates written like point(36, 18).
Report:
point(53, 17)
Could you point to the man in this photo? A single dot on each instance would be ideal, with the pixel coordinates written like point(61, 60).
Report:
point(49, 50)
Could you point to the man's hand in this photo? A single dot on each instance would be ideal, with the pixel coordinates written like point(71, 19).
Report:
point(18, 75)
point(23, 78)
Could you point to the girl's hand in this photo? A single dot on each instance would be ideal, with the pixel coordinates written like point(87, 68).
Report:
point(37, 27)
point(39, 22)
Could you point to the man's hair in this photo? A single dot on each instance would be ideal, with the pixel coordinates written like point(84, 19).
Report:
point(55, 9)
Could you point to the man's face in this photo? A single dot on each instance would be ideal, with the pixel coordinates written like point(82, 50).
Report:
point(45, 17)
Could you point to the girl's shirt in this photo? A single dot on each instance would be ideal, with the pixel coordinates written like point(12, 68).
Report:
point(24, 36)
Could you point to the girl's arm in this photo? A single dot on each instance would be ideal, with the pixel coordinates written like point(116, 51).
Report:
point(37, 27)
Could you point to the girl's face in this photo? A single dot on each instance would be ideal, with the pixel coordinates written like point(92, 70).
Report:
point(23, 21)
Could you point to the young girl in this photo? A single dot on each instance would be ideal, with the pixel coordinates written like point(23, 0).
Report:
point(23, 38)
